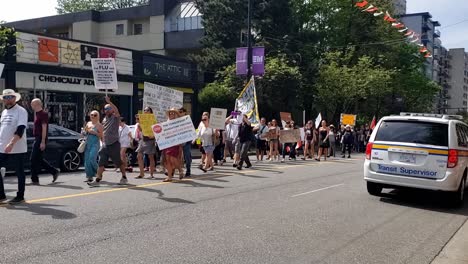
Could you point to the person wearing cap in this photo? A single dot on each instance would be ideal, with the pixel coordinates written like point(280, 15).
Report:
point(40, 129)
point(173, 155)
point(111, 145)
point(347, 141)
point(13, 144)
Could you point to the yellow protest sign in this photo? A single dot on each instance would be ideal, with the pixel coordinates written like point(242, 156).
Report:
point(347, 119)
point(146, 123)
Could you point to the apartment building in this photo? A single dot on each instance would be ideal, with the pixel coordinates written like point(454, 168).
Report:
point(455, 82)
point(426, 28)
point(165, 27)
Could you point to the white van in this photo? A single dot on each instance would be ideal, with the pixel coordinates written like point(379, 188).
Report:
point(425, 151)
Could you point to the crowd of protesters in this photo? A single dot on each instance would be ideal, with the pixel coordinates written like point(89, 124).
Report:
point(111, 139)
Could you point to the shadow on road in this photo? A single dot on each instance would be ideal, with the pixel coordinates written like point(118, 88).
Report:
point(423, 199)
point(43, 209)
point(198, 184)
point(60, 185)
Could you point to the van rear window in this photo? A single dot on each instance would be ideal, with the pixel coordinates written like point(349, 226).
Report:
point(413, 132)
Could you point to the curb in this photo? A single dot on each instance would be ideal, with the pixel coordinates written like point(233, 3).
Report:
point(455, 252)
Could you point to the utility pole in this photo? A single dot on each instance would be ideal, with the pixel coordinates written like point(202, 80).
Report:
point(249, 40)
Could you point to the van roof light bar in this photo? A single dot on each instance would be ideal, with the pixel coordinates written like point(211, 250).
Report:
point(458, 117)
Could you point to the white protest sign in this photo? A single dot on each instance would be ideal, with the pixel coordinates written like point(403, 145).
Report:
point(174, 132)
point(105, 74)
point(218, 118)
point(161, 99)
point(1, 68)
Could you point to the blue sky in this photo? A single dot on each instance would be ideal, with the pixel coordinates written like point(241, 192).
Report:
point(447, 12)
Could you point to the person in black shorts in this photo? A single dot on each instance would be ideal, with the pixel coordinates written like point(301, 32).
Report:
point(261, 135)
point(111, 145)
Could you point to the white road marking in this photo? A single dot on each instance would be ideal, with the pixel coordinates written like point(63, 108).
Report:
point(318, 190)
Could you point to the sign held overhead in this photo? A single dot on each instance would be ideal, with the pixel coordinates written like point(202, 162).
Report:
point(105, 74)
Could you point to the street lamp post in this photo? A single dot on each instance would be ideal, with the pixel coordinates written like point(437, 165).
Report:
point(249, 40)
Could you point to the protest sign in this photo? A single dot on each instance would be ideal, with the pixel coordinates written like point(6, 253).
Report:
point(272, 134)
point(285, 116)
point(174, 132)
point(302, 133)
point(105, 74)
point(1, 68)
point(161, 99)
point(347, 119)
point(290, 136)
point(218, 118)
point(146, 123)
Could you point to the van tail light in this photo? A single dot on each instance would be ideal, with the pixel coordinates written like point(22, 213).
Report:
point(452, 160)
point(369, 150)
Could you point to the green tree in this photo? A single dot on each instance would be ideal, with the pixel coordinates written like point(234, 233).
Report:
point(71, 6)
point(6, 35)
point(272, 96)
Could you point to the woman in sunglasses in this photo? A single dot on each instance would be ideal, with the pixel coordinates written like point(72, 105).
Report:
point(93, 131)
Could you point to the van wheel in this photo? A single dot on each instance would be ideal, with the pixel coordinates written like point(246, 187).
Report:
point(457, 198)
point(374, 188)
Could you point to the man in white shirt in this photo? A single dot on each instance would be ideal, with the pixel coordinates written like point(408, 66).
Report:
point(13, 145)
point(233, 123)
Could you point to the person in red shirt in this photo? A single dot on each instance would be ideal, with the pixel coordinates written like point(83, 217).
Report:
point(40, 130)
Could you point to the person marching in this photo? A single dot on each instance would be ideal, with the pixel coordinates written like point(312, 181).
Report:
point(233, 122)
point(111, 145)
point(93, 131)
point(40, 130)
point(245, 139)
point(207, 136)
point(13, 143)
point(261, 131)
point(274, 142)
point(146, 146)
point(310, 139)
point(187, 148)
point(347, 142)
point(173, 155)
point(125, 137)
point(324, 143)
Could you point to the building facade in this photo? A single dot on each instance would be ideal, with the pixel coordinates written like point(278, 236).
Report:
point(423, 25)
point(455, 82)
point(165, 27)
point(58, 71)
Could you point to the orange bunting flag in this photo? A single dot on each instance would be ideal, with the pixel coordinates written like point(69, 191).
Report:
point(415, 40)
point(362, 4)
point(389, 18)
point(371, 9)
point(428, 55)
point(411, 36)
point(423, 50)
point(403, 30)
point(378, 14)
point(409, 33)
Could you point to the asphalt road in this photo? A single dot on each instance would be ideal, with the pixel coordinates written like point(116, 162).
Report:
point(298, 212)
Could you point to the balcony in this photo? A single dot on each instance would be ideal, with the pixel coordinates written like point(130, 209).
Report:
point(437, 33)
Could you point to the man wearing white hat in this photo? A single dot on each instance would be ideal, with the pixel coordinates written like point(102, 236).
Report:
point(13, 145)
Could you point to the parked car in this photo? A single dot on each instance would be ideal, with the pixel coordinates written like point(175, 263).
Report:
point(61, 149)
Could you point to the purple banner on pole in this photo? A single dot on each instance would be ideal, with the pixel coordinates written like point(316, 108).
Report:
point(258, 61)
point(241, 61)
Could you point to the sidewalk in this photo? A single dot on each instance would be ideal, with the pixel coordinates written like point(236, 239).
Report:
point(456, 250)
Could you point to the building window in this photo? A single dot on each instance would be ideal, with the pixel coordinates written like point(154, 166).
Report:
point(119, 29)
point(137, 29)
